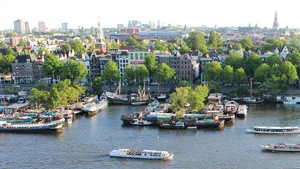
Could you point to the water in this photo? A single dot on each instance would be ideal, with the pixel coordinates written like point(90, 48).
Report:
point(87, 142)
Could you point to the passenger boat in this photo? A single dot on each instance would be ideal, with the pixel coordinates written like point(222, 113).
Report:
point(281, 147)
point(137, 122)
point(274, 130)
point(177, 125)
point(138, 103)
point(231, 107)
point(145, 154)
point(242, 111)
point(32, 127)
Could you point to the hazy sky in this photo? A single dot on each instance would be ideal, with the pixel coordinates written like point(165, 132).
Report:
point(111, 12)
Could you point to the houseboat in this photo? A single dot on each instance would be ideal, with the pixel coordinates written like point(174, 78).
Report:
point(274, 130)
point(145, 154)
point(231, 107)
point(242, 111)
point(139, 122)
point(291, 99)
point(253, 100)
point(177, 125)
point(281, 147)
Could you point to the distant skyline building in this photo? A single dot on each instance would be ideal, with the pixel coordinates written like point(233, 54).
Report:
point(275, 23)
point(42, 27)
point(120, 26)
point(19, 26)
point(64, 26)
point(27, 27)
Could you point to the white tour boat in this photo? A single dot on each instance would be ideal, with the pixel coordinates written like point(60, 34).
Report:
point(137, 122)
point(242, 111)
point(145, 154)
point(274, 130)
point(281, 147)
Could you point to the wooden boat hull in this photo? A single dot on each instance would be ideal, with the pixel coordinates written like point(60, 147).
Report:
point(227, 119)
point(203, 125)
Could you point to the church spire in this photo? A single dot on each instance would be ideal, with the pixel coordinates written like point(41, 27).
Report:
point(100, 41)
point(275, 23)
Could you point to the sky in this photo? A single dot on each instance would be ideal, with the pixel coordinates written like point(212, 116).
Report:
point(86, 13)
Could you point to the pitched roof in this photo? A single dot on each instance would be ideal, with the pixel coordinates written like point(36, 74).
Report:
point(23, 58)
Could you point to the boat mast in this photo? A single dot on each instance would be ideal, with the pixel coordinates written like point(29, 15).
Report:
point(251, 87)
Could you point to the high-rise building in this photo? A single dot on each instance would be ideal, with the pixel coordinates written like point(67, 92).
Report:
point(158, 24)
point(19, 26)
point(275, 23)
point(64, 26)
point(27, 27)
point(120, 26)
point(42, 27)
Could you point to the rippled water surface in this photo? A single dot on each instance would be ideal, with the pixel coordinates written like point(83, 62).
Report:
point(87, 142)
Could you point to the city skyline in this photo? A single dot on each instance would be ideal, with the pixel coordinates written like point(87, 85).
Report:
point(209, 13)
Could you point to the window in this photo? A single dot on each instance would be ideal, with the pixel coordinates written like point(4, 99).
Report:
point(136, 56)
point(131, 56)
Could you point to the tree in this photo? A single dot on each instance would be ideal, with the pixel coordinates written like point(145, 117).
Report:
point(235, 59)
point(52, 66)
point(132, 41)
point(251, 64)
point(41, 85)
point(92, 48)
point(150, 63)
point(114, 45)
point(165, 73)
point(212, 71)
point(247, 43)
point(158, 45)
point(170, 47)
point(2, 44)
point(39, 97)
point(274, 59)
point(262, 73)
point(74, 70)
point(22, 43)
point(111, 72)
point(141, 73)
point(98, 86)
point(77, 46)
point(295, 59)
point(180, 98)
point(197, 97)
point(129, 74)
point(290, 71)
point(238, 46)
point(185, 83)
point(239, 75)
point(212, 41)
point(43, 51)
point(66, 47)
point(196, 41)
point(184, 48)
point(227, 75)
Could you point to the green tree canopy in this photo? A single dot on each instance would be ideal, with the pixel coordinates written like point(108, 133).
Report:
point(77, 46)
point(251, 63)
point(98, 86)
point(196, 41)
point(66, 47)
point(227, 75)
point(2, 44)
point(170, 47)
point(165, 73)
point(150, 63)
point(212, 71)
point(141, 73)
point(247, 43)
point(43, 51)
point(183, 49)
point(52, 66)
point(111, 72)
point(22, 43)
point(74, 70)
point(180, 98)
point(239, 75)
point(129, 74)
point(262, 73)
point(132, 41)
point(235, 59)
point(215, 39)
point(238, 46)
point(39, 97)
point(295, 59)
point(274, 59)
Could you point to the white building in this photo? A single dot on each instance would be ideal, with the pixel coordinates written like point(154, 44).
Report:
point(19, 26)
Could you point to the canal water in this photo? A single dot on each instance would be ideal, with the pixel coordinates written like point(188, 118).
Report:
point(87, 142)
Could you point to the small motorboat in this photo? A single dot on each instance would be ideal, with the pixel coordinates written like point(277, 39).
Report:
point(161, 96)
point(242, 111)
point(145, 154)
point(282, 147)
point(139, 103)
point(137, 122)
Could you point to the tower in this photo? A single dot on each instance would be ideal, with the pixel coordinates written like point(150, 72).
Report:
point(275, 23)
point(100, 39)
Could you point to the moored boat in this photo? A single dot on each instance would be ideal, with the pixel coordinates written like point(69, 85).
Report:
point(32, 127)
point(274, 130)
point(289, 102)
point(281, 147)
point(138, 103)
point(138, 122)
point(231, 107)
point(209, 123)
point(145, 154)
point(95, 107)
point(242, 111)
point(161, 96)
point(252, 100)
point(228, 118)
point(177, 125)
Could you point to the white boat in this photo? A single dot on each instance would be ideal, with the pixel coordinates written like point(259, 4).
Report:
point(162, 96)
point(252, 100)
point(138, 122)
point(281, 147)
point(242, 111)
point(138, 103)
point(145, 154)
point(274, 130)
point(94, 108)
point(289, 102)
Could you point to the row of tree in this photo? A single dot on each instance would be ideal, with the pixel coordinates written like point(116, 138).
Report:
point(60, 94)
point(5, 61)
